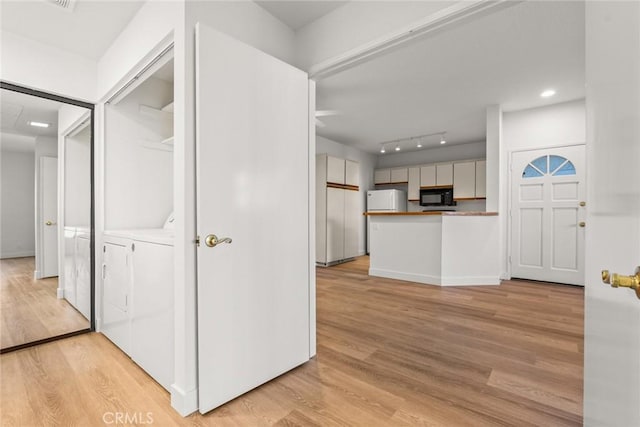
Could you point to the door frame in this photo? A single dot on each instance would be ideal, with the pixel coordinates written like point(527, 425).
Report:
point(510, 180)
point(91, 107)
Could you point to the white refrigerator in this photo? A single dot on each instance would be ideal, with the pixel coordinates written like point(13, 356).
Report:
point(384, 201)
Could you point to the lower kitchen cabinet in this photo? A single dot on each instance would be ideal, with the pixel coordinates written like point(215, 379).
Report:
point(137, 284)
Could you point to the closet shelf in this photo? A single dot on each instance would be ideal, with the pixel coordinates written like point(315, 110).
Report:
point(168, 108)
point(168, 141)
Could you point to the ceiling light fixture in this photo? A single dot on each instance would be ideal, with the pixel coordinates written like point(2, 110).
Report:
point(39, 124)
point(419, 145)
point(382, 150)
point(442, 140)
point(420, 141)
point(397, 147)
point(547, 93)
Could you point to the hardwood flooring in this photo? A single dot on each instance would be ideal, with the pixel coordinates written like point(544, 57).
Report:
point(389, 353)
point(30, 308)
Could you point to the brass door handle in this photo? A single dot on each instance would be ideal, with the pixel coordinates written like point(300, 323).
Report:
point(49, 223)
point(212, 240)
point(582, 224)
point(619, 281)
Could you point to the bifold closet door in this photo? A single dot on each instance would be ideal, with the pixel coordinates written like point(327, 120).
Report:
point(252, 132)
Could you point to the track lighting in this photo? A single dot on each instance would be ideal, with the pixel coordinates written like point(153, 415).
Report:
point(442, 140)
point(397, 147)
point(419, 145)
point(419, 141)
point(382, 150)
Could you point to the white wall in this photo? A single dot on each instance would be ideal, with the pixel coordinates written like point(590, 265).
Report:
point(17, 204)
point(355, 24)
point(47, 68)
point(367, 163)
point(77, 180)
point(448, 153)
point(535, 128)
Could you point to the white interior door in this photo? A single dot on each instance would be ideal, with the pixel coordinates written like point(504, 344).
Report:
point(252, 140)
point(612, 315)
point(49, 216)
point(547, 215)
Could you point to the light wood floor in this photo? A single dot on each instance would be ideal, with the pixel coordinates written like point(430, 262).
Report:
point(389, 353)
point(30, 308)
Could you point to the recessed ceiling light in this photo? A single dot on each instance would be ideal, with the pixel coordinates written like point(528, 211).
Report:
point(39, 124)
point(547, 93)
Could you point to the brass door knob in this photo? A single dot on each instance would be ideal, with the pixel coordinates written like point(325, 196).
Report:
point(212, 240)
point(620, 281)
point(49, 223)
point(582, 224)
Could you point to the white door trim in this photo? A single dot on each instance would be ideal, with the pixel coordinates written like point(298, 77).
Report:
point(510, 154)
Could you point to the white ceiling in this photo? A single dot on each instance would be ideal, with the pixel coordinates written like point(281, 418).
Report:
point(444, 82)
point(88, 30)
point(16, 111)
point(297, 14)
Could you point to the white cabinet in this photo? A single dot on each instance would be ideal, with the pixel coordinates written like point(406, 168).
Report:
point(444, 174)
point(335, 170)
point(428, 176)
point(116, 283)
point(338, 213)
point(137, 302)
point(382, 176)
point(335, 224)
point(481, 179)
point(413, 188)
point(464, 180)
point(152, 344)
point(399, 175)
point(77, 269)
point(351, 173)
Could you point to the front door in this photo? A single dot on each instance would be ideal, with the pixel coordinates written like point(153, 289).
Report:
point(49, 216)
point(252, 139)
point(547, 215)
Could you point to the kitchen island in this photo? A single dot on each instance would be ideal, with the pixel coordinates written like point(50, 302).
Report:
point(436, 248)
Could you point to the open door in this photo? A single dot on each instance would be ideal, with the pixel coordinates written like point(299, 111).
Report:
point(252, 139)
point(612, 315)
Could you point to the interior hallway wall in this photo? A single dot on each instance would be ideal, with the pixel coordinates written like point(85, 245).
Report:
point(17, 204)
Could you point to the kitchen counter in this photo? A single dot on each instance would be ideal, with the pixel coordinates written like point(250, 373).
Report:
point(436, 248)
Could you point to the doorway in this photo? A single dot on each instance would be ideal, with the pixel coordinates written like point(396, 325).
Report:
point(547, 214)
point(42, 297)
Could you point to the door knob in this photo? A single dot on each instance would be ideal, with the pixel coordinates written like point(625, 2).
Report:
point(582, 224)
point(212, 240)
point(619, 281)
point(50, 223)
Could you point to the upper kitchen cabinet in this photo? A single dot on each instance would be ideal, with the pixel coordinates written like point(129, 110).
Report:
point(464, 180)
point(444, 174)
point(351, 173)
point(413, 190)
point(481, 179)
point(428, 176)
point(382, 176)
point(335, 170)
point(399, 175)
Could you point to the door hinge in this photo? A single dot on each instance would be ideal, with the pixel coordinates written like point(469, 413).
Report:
point(104, 248)
point(509, 259)
point(133, 247)
point(197, 241)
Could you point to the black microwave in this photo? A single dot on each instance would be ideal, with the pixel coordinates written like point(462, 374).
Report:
point(437, 196)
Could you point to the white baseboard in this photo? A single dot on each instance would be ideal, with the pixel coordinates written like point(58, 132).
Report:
point(60, 293)
point(409, 277)
point(7, 255)
point(185, 403)
point(36, 275)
